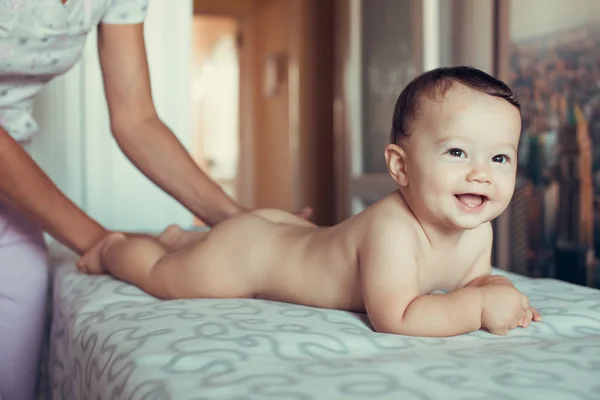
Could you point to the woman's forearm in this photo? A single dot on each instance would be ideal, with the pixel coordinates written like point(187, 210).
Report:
point(26, 188)
point(157, 153)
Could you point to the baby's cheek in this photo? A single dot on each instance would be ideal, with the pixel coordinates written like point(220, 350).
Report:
point(439, 192)
point(434, 181)
point(505, 188)
point(434, 185)
point(446, 182)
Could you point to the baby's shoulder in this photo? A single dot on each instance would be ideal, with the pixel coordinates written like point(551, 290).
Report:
point(397, 229)
point(383, 244)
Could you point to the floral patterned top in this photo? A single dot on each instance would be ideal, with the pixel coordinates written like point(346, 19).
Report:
point(41, 39)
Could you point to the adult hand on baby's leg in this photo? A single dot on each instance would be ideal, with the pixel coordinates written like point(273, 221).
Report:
point(91, 261)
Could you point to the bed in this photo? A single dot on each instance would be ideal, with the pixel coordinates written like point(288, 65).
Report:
point(109, 340)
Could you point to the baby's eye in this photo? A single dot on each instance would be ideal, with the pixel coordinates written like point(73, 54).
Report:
point(501, 158)
point(456, 153)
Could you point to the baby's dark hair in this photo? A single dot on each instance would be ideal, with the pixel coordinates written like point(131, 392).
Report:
point(435, 84)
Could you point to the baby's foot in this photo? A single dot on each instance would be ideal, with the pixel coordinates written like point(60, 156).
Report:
point(91, 262)
point(170, 235)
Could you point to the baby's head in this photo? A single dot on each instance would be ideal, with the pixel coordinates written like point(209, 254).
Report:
point(453, 148)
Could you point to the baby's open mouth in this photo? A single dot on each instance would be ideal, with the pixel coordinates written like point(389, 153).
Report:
point(471, 200)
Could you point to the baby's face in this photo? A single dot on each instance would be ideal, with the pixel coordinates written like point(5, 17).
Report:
point(462, 158)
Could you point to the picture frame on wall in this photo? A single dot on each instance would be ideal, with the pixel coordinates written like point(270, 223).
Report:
point(547, 51)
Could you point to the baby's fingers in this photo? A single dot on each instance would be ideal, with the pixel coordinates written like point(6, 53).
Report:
point(535, 314)
point(527, 316)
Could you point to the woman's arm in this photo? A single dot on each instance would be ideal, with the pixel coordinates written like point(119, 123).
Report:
point(144, 139)
point(26, 188)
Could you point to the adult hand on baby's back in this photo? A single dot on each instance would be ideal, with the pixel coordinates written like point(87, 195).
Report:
point(504, 308)
point(305, 213)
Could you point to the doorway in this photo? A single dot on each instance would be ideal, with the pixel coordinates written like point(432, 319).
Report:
point(262, 99)
point(215, 99)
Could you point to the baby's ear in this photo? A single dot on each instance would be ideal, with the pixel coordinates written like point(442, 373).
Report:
point(395, 158)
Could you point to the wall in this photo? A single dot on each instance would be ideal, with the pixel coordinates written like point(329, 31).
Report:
point(471, 31)
point(58, 145)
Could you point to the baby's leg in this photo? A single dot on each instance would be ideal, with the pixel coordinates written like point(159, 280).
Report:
point(189, 272)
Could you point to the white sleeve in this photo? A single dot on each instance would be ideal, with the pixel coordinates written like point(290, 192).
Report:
point(125, 11)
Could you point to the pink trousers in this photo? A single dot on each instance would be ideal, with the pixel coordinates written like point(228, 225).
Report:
point(23, 291)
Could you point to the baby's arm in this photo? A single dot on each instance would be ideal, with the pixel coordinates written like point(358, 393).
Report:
point(390, 285)
point(480, 275)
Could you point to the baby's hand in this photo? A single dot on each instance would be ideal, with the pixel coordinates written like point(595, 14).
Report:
point(530, 315)
point(504, 308)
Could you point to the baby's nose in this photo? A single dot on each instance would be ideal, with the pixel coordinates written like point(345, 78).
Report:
point(479, 173)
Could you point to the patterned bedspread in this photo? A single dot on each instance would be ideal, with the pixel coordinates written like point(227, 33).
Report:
point(109, 340)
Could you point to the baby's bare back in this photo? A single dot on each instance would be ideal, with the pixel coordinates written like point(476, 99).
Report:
point(277, 256)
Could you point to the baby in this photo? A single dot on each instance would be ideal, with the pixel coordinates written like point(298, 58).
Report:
point(453, 154)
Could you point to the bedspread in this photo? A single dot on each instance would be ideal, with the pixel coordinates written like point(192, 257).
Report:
point(109, 340)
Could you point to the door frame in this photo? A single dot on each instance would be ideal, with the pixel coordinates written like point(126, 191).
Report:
point(351, 182)
point(238, 10)
point(501, 254)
